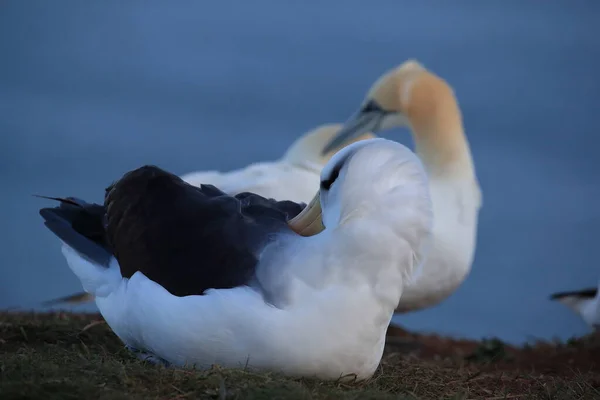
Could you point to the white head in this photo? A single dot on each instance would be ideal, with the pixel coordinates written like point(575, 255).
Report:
point(371, 177)
point(361, 177)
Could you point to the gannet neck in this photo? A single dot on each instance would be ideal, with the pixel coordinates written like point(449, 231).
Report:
point(411, 94)
point(437, 127)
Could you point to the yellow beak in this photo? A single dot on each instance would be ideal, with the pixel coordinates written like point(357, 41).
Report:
point(309, 222)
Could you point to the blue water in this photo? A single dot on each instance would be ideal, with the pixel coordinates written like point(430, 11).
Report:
point(89, 90)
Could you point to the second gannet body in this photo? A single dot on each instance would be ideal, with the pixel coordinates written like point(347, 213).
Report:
point(292, 177)
point(192, 276)
point(410, 95)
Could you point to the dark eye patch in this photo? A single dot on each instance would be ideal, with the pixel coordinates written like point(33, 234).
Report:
point(326, 184)
point(371, 106)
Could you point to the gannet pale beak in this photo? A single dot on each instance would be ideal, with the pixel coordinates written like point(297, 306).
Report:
point(310, 221)
point(364, 121)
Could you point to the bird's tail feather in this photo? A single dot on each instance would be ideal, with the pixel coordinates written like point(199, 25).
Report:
point(81, 228)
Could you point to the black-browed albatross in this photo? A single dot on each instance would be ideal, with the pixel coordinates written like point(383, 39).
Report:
point(187, 238)
point(193, 276)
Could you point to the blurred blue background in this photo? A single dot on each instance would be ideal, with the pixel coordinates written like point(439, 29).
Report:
point(89, 90)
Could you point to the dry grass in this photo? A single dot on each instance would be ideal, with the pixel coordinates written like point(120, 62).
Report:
point(52, 356)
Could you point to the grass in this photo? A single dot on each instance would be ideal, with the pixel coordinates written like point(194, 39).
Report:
point(62, 356)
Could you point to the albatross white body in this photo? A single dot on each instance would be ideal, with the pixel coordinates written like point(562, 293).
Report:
point(317, 306)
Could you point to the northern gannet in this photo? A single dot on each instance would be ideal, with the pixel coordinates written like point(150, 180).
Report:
point(410, 95)
point(192, 276)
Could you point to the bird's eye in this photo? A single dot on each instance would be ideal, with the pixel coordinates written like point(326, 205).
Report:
point(335, 172)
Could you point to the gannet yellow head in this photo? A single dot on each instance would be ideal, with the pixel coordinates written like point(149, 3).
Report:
point(306, 150)
point(409, 95)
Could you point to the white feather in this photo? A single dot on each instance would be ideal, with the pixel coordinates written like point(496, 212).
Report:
point(278, 180)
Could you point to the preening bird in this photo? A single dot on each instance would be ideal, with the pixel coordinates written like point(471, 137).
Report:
point(295, 177)
point(190, 275)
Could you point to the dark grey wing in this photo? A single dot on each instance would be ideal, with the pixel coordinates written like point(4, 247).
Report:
point(254, 201)
point(81, 226)
point(186, 238)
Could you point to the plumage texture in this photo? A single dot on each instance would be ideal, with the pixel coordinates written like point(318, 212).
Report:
point(316, 306)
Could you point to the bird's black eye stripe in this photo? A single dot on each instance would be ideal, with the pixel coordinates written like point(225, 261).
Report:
point(371, 106)
point(326, 184)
